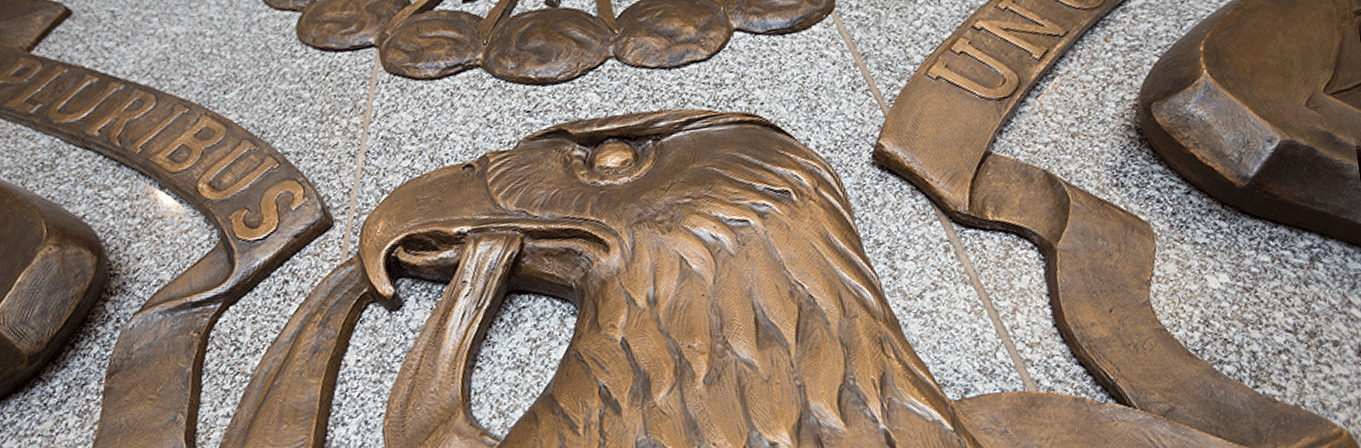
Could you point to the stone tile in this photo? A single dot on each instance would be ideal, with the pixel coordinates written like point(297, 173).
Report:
point(940, 312)
point(1012, 271)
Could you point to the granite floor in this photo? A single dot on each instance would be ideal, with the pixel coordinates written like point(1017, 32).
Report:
point(1276, 308)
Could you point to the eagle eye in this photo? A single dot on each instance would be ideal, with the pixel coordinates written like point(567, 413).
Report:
point(613, 156)
point(612, 162)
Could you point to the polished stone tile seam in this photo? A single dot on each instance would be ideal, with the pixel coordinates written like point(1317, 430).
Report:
point(365, 123)
point(957, 246)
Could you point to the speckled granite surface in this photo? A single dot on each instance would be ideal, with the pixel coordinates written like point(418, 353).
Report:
point(1276, 308)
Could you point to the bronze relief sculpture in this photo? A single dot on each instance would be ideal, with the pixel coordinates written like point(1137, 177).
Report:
point(1260, 106)
point(724, 301)
point(543, 46)
point(1099, 258)
point(725, 297)
point(53, 271)
point(263, 208)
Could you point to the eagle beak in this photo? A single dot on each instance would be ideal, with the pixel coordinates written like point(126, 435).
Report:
point(420, 230)
point(446, 226)
point(427, 212)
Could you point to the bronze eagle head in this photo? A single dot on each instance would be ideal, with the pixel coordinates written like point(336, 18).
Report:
point(724, 296)
point(724, 300)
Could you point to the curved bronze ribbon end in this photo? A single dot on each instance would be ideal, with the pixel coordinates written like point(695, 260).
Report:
point(1027, 419)
point(151, 388)
point(288, 400)
point(1099, 257)
point(1099, 262)
point(152, 385)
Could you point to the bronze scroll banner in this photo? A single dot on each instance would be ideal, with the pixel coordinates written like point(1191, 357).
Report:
point(264, 208)
point(1099, 258)
point(949, 112)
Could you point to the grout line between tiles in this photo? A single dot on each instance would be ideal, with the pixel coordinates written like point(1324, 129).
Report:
point(359, 159)
point(987, 301)
point(950, 232)
point(860, 63)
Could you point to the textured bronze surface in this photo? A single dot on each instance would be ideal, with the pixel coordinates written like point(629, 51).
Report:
point(724, 300)
point(971, 85)
point(288, 5)
point(433, 44)
point(346, 24)
point(699, 321)
point(263, 208)
point(671, 33)
point(1042, 420)
point(24, 22)
point(1260, 106)
point(1099, 258)
point(289, 396)
point(776, 16)
point(547, 46)
point(429, 402)
point(1099, 261)
point(53, 270)
point(544, 46)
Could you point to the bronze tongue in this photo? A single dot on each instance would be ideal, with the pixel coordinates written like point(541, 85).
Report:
point(429, 404)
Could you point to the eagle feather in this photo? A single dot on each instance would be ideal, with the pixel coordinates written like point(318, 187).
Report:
point(739, 308)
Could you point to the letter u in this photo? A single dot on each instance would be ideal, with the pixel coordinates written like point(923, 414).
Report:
point(1010, 80)
point(55, 113)
point(205, 186)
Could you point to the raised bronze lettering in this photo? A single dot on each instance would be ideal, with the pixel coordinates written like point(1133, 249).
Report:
point(1089, 4)
point(1009, 78)
point(137, 104)
point(57, 116)
point(13, 77)
point(269, 211)
point(141, 143)
point(192, 143)
point(21, 104)
point(206, 188)
point(1004, 29)
point(151, 390)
